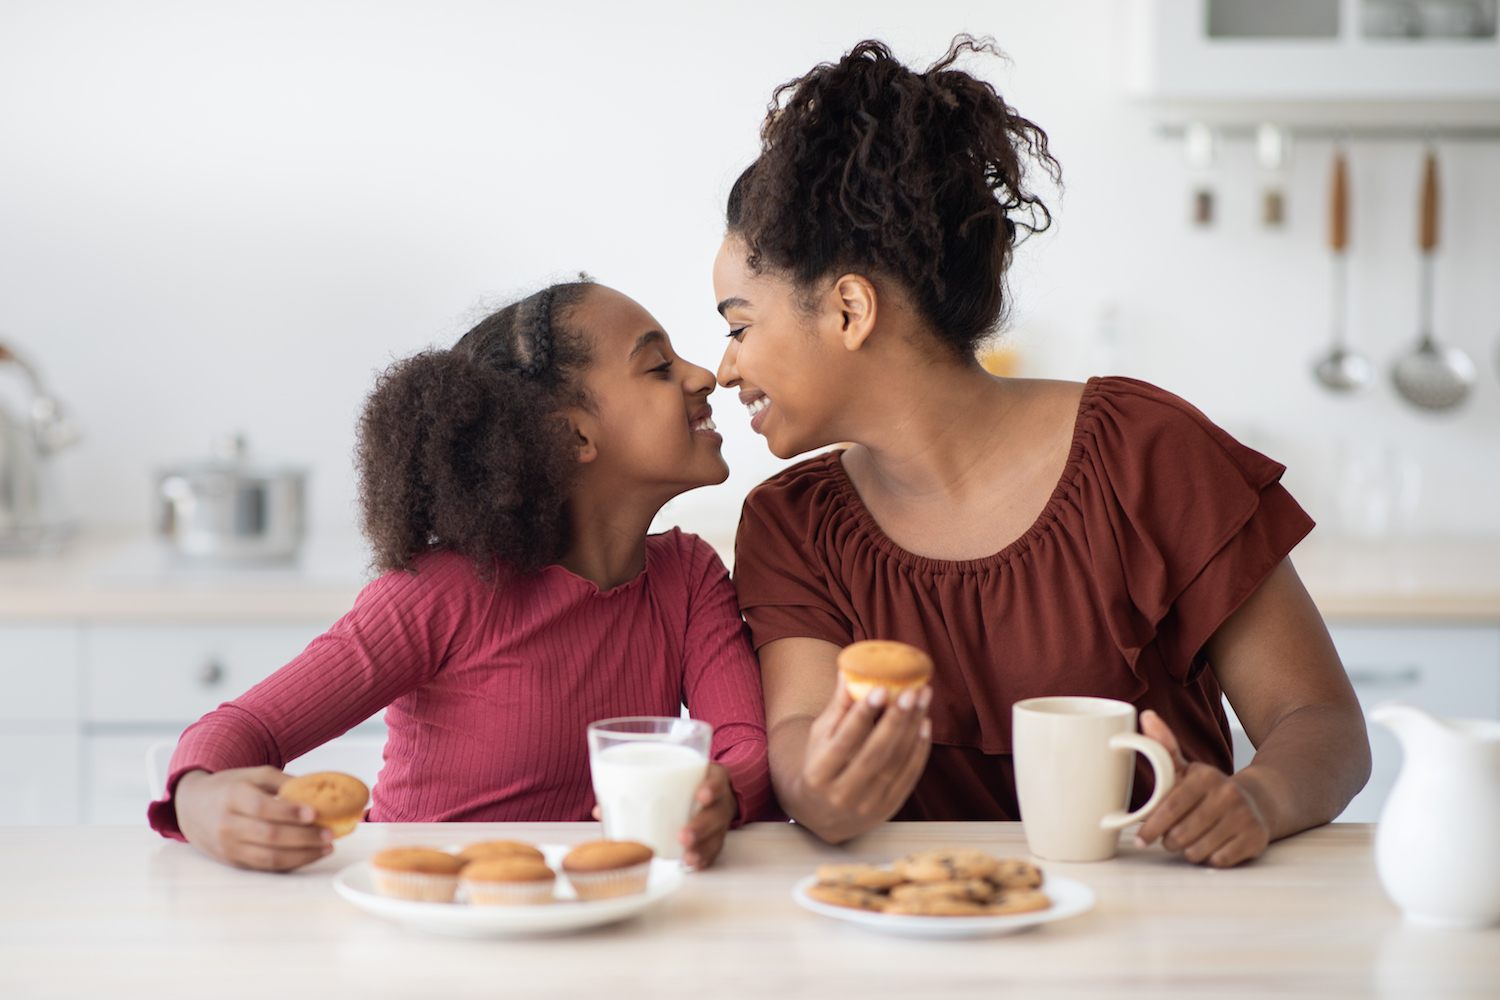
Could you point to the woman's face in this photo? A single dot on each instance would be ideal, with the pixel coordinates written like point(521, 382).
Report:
point(649, 420)
point(786, 366)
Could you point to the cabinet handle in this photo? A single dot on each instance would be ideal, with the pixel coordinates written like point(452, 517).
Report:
point(211, 673)
point(1385, 676)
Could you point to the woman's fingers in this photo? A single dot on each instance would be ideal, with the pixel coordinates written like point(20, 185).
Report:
point(1154, 726)
point(1180, 802)
point(846, 734)
point(877, 774)
point(1209, 819)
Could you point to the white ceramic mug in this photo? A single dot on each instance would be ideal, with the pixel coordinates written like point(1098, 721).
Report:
point(1075, 763)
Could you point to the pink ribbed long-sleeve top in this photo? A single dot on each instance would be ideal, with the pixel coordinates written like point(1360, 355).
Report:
point(488, 686)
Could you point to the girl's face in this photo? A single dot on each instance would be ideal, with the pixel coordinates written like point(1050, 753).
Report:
point(649, 422)
point(787, 364)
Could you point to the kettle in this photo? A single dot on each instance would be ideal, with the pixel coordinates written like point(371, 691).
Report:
point(29, 518)
point(1437, 847)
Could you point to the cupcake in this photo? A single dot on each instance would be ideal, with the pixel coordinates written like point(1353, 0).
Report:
point(507, 881)
point(499, 849)
point(415, 873)
point(338, 799)
point(606, 868)
point(895, 666)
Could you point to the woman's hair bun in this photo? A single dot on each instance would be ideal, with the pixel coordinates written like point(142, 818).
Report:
point(866, 164)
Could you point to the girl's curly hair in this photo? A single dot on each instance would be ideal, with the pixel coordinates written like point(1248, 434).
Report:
point(921, 177)
point(465, 449)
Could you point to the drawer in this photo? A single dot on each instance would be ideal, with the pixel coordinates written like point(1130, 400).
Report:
point(1449, 671)
point(175, 675)
point(38, 673)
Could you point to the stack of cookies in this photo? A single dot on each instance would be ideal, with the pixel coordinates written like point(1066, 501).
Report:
point(952, 882)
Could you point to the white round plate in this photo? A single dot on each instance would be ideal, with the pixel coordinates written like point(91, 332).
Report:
point(563, 916)
point(1069, 898)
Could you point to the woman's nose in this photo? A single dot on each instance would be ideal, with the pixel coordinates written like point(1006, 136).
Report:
point(699, 381)
point(729, 372)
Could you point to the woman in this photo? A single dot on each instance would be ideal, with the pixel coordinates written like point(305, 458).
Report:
point(1037, 538)
point(507, 486)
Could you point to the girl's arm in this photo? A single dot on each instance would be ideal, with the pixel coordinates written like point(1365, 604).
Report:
point(226, 768)
point(1277, 665)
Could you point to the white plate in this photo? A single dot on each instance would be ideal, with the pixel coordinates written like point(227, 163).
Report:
point(1069, 898)
point(565, 915)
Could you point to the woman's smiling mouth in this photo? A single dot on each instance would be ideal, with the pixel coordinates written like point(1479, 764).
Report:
point(756, 406)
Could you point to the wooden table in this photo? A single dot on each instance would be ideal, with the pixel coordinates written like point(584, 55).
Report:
point(116, 911)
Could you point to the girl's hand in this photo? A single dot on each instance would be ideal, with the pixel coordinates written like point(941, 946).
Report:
point(235, 817)
point(717, 807)
point(1207, 816)
point(860, 764)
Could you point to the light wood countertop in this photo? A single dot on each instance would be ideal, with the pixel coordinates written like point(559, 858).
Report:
point(114, 577)
point(117, 911)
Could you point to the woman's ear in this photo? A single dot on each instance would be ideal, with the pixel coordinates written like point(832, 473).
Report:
point(857, 302)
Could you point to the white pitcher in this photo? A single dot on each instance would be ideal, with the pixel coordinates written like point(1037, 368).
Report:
point(1437, 847)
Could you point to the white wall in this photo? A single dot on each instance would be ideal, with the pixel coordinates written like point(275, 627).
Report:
point(228, 216)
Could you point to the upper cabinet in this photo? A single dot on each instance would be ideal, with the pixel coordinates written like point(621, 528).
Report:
point(1373, 61)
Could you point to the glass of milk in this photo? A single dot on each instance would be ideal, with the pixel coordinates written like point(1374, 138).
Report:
point(646, 770)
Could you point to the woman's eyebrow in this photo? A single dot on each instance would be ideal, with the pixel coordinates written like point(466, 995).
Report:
point(732, 303)
point(649, 337)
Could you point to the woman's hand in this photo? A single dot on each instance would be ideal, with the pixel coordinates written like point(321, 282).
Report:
point(1208, 816)
point(860, 763)
point(235, 817)
point(703, 837)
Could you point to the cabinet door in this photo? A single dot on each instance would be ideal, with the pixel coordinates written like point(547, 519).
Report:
point(38, 673)
point(1449, 671)
point(174, 675)
point(39, 774)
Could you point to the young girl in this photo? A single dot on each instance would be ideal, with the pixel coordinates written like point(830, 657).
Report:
point(1037, 538)
point(507, 485)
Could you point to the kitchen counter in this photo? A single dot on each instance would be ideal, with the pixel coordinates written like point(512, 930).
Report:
point(117, 911)
point(113, 577)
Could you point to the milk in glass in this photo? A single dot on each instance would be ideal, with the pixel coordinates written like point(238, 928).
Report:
point(645, 790)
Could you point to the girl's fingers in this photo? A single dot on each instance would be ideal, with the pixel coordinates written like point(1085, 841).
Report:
point(272, 859)
point(251, 800)
point(259, 833)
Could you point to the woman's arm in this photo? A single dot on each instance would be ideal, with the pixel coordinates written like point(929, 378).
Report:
point(840, 768)
point(1277, 665)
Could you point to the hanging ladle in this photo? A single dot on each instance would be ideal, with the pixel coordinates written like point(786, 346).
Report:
point(1340, 369)
point(1432, 377)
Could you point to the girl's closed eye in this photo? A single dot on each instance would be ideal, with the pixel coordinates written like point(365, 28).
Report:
point(664, 368)
point(735, 332)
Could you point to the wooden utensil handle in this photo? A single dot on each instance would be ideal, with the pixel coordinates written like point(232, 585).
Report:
point(1429, 235)
point(1338, 216)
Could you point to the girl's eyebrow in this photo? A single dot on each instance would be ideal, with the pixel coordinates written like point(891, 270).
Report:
point(732, 303)
point(649, 337)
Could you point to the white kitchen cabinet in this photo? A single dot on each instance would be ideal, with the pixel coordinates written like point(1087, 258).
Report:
point(38, 673)
point(1451, 671)
point(39, 694)
point(39, 774)
point(167, 674)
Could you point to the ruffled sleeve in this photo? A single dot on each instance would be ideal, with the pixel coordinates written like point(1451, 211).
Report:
point(780, 571)
point(1183, 523)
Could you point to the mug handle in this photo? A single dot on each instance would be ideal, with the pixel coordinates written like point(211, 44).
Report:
point(1161, 764)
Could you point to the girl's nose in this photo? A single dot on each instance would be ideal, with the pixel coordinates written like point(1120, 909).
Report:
point(729, 372)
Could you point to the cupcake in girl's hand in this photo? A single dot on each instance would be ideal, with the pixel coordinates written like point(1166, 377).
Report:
point(604, 869)
point(417, 873)
point(338, 799)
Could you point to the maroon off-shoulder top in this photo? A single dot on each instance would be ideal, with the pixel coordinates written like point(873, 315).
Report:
point(1159, 528)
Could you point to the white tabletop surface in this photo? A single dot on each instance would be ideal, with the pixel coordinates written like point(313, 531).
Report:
point(119, 912)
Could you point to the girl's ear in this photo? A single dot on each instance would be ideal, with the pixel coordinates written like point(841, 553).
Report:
point(856, 300)
point(583, 427)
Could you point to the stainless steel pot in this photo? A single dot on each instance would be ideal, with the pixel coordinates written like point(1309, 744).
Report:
point(230, 509)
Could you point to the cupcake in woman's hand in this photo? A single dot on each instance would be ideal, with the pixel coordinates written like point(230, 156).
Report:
point(511, 880)
point(416, 873)
point(603, 869)
point(872, 663)
point(338, 799)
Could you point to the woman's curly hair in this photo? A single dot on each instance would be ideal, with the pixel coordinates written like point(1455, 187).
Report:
point(465, 449)
point(921, 177)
